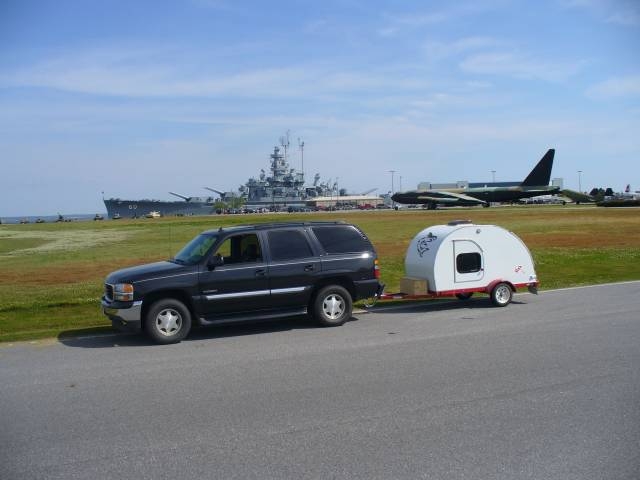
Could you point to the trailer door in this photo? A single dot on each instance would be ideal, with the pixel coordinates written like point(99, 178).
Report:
point(468, 261)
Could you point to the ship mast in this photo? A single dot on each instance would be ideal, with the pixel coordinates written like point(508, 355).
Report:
point(284, 141)
point(301, 146)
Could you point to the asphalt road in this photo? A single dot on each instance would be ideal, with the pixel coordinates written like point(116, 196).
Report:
point(546, 388)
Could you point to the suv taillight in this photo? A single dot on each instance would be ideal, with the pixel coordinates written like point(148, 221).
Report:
point(376, 268)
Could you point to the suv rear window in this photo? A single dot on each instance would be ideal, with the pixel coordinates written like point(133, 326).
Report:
point(342, 239)
point(289, 245)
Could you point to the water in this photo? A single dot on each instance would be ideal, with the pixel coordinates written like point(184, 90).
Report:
point(76, 217)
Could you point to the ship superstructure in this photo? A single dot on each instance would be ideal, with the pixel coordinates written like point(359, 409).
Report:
point(284, 186)
point(280, 188)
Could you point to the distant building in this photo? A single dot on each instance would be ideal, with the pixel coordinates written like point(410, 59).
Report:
point(351, 200)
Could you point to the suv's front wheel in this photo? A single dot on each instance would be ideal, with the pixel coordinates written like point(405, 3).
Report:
point(167, 321)
point(332, 306)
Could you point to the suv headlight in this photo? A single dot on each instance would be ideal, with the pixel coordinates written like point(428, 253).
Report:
point(123, 292)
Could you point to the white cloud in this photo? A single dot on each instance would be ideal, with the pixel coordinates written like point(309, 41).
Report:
point(388, 31)
point(413, 20)
point(148, 73)
point(440, 50)
point(616, 87)
point(421, 20)
point(221, 5)
point(630, 18)
point(516, 66)
point(621, 12)
point(463, 101)
point(316, 26)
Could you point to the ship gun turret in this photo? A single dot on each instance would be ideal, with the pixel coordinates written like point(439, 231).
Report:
point(186, 199)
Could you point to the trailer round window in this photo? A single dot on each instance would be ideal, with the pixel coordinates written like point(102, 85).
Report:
point(468, 262)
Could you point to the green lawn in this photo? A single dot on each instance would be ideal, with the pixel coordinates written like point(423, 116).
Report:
point(52, 274)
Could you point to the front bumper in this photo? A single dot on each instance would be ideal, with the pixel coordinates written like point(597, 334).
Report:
point(126, 317)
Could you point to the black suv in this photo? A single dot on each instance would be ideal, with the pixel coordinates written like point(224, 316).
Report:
point(245, 273)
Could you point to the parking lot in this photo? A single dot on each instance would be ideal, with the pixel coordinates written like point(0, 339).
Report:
point(547, 387)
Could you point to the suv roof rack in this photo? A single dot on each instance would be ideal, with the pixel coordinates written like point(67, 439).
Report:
point(264, 226)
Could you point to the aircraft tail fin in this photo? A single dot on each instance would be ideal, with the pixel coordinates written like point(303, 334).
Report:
point(541, 173)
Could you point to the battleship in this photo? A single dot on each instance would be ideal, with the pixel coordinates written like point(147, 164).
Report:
point(283, 187)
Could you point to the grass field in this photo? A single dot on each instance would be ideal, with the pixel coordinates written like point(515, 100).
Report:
point(52, 275)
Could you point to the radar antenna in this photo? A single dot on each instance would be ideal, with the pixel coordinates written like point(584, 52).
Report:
point(284, 141)
point(301, 146)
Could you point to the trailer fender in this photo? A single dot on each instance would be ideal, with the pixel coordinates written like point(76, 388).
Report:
point(493, 284)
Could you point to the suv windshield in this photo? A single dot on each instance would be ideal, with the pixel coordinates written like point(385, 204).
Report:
point(195, 250)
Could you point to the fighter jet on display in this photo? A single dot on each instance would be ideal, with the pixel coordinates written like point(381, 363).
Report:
point(536, 183)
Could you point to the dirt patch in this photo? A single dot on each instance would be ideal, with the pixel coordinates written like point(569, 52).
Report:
point(59, 240)
point(67, 274)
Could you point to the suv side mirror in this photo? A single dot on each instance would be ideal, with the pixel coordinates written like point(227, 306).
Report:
point(215, 261)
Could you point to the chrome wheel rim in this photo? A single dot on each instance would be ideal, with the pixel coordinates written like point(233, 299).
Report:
point(503, 293)
point(168, 322)
point(333, 306)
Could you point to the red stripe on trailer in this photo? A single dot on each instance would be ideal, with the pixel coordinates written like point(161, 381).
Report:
point(452, 293)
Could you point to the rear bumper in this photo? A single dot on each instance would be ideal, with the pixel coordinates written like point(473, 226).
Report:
point(367, 288)
point(124, 316)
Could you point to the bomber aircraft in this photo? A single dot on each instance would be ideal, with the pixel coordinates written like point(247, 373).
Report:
point(536, 183)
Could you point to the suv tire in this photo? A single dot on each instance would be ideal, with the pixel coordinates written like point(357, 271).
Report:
point(167, 321)
point(332, 306)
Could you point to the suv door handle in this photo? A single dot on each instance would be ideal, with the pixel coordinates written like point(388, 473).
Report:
point(260, 273)
point(309, 268)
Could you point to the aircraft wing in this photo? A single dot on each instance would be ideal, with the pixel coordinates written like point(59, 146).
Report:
point(577, 196)
point(436, 196)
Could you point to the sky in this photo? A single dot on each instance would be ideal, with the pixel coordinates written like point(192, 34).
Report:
point(133, 99)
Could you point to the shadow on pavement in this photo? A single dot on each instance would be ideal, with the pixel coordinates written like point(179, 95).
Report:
point(436, 305)
point(116, 339)
point(113, 339)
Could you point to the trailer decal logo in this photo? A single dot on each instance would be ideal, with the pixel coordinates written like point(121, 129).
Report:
point(423, 243)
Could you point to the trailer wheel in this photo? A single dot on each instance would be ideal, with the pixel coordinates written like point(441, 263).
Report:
point(464, 296)
point(332, 306)
point(501, 295)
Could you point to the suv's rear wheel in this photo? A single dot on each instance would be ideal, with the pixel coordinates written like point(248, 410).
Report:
point(332, 306)
point(167, 321)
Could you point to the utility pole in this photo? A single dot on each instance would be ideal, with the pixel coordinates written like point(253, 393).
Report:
point(392, 172)
point(580, 181)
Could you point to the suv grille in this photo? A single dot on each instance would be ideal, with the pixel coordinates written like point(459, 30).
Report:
point(108, 291)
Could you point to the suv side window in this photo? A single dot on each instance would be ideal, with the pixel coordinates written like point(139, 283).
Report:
point(289, 245)
point(240, 249)
point(342, 239)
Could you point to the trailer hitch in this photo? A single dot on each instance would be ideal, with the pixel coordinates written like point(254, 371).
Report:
point(371, 301)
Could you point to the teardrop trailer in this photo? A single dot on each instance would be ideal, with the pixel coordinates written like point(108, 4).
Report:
point(461, 258)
